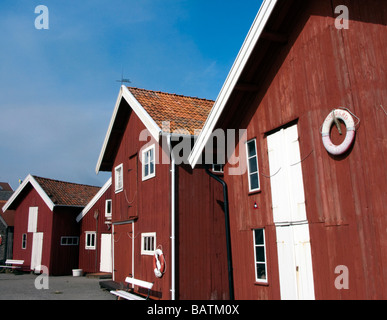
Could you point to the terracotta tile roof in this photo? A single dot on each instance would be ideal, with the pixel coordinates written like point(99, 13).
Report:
point(185, 114)
point(67, 193)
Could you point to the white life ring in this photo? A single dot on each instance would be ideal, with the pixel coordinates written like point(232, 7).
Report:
point(351, 130)
point(159, 263)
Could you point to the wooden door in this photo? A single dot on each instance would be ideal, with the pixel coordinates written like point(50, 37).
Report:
point(122, 251)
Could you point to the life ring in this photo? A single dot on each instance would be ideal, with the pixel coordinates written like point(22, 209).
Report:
point(159, 263)
point(351, 130)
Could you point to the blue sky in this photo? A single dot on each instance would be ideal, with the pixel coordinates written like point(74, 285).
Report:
point(58, 86)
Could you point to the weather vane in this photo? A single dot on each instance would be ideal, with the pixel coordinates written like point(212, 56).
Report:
point(123, 80)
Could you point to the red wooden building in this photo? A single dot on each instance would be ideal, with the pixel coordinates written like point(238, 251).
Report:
point(307, 223)
point(160, 203)
point(95, 254)
point(45, 230)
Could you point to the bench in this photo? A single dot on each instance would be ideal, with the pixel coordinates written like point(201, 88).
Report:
point(131, 295)
point(9, 263)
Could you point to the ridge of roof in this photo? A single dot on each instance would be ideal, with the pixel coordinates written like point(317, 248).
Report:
point(171, 94)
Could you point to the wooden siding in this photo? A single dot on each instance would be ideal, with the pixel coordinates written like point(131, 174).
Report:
point(32, 199)
point(64, 258)
point(321, 68)
point(89, 260)
point(145, 205)
point(202, 251)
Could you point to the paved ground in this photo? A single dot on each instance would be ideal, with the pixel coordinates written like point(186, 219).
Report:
point(22, 287)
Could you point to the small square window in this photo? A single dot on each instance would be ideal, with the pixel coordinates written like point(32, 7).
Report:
point(148, 243)
point(90, 240)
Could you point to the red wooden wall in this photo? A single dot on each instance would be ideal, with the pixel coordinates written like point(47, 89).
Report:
point(321, 68)
point(201, 265)
point(45, 220)
point(89, 260)
point(146, 204)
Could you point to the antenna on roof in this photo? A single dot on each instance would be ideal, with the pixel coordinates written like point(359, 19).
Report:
point(123, 80)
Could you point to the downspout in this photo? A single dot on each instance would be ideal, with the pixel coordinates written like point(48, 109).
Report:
point(228, 237)
point(173, 236)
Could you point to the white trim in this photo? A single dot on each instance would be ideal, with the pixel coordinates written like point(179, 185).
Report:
point(150, 175)
point(255, 255)
point(244, 54)
point(94, 200)
point(120, 179)
point(248, 165)
point(146, 119)
point(108, 216)
point(93, 234)
point(37, 187)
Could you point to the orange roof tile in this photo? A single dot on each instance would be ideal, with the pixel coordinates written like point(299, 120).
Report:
point(67, 193)
point(185, 114)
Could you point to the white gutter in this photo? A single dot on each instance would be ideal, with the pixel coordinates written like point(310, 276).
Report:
point(173, 237)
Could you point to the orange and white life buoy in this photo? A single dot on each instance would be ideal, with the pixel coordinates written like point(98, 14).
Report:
point(351, 130)
point(159, 263)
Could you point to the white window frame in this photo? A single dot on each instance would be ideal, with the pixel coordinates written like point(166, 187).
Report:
point(69, 241)
point(256, 262)
point(215, 169)
point(145, 163)
point(108, 205)
point(24, 241)
point(249, 173)
point(90, 240)
point(119, 178)
point(146, 243)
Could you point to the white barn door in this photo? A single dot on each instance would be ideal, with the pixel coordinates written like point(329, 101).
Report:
point(106, 253)
point(37, 249)
point(289, 213)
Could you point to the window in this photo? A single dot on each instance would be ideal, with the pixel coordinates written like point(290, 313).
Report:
point(69, 241)
point(148, 243)
point(90, 240)
point(108, 209)
point(148, 163)
point(260, 255)
point(118, 178)
point(24, 241)
point(217, 168)
point(252, 165)
point(32, 219)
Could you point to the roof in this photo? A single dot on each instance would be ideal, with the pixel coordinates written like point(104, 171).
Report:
point(5, 191)
point(186, 115)
point(55, 193)
point(94, 200)
point(254, 35)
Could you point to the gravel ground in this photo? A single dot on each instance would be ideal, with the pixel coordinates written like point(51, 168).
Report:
point(15, 286)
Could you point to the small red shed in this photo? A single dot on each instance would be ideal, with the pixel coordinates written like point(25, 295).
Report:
point(95, 254)
point(45, 230)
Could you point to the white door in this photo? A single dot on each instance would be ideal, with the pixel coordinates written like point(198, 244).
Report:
point(106, 253)
point(37, 249)
point(289, 214)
